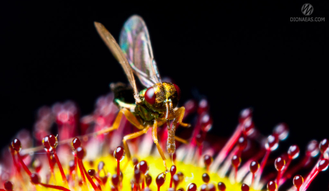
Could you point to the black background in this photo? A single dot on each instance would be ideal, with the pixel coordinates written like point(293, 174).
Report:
point(238, 54)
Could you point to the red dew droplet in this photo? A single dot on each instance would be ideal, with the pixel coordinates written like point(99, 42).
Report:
point(324, 144)
point(176, 180)
point(191, 106)
point(52, 141)
point(150, 95)
point(180, 189)
point(34, 178)
point(236, 161)
point(91, 163)
point(323, 165)
point(80, 182)
point(181, 176)
point(248, 127)
point(137, 176)
point(210, 187)
point(45, 142)
point(245, 113)
point(206, 178)
point(199, 138)
point(119, 153)
point(245, 187)
point(312, 148)
point(206, 122)
point(136, 167)
point(147, 189)
point(143, 166)
point(221, 186)
point(208, 160)
point(293, 151)
point(160, 179)
point(271, 186)
point(271, 143)
point(279, 163)
point(254, 166)
point(113, 188)
point(115, 180)
point(135, 161)
point(203, 106)
point(72, 165)
point(203, 187)
point(298, 181)
point(281, 130)
point(16, 144)
point(242, 143)
point(173, 170)
point(80, 153)
point(148, 179)
point(76, 143)
point(100, 166)
point(91, 172)
point(104, 179)
point(8, 186)
point(192, 187)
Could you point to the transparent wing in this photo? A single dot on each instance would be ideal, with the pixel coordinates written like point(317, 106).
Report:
point(135, 43)
point(118, 54)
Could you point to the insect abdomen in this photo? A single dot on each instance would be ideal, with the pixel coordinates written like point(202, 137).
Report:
point(122, 92)
point(171, 141)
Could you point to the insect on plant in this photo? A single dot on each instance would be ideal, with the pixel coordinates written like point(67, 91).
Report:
point(153, 106)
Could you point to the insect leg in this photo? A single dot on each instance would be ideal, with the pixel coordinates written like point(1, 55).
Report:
point(132, 136)
point(115, 124)
point(178, 116)
point(129, 116)
point(155, 138)
point(181, 140)
point(184, 124)
point(132, 119)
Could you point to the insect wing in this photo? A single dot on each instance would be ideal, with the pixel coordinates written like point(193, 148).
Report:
point(135, 42)
point(118, 54)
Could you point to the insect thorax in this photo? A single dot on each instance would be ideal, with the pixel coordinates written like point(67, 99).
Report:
point(145, 115)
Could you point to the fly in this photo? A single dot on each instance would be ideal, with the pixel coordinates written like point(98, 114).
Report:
point(157, 103)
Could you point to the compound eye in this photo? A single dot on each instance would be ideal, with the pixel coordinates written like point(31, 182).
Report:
point(178, 91)
point(150, 96)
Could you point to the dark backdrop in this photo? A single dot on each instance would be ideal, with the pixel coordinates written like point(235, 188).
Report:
point(238, 54)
